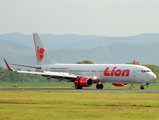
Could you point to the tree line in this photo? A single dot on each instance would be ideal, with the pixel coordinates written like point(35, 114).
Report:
point(8, 76)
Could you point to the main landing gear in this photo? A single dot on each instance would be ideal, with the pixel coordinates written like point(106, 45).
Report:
point(78, 87)
point(99, 85)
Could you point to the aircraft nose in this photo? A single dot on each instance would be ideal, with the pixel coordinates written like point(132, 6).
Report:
point(152, 76)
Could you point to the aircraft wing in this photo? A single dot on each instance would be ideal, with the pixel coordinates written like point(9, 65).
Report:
point(47, 73)
point(44, 73)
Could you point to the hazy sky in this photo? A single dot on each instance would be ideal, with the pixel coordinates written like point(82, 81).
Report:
point(83, 17)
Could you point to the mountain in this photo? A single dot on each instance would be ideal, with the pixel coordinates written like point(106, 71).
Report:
point(13, 51)
point(54, 42)
point(146, 53)
point(19, 48)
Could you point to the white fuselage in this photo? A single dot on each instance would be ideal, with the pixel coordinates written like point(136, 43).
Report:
point(113, 73)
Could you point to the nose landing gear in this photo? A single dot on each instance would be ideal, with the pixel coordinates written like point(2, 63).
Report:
point(144, 84)
point(142, 87)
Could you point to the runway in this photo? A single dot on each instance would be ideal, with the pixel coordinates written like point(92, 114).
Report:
point(82, 90)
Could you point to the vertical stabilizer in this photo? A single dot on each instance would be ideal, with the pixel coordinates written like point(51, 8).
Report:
point(42, 56)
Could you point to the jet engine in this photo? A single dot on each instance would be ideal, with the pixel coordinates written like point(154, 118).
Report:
point(119, 84)
point(83, 81)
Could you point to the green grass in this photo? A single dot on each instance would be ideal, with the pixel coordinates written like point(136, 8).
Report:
point(49, 105)
point(71, 85)
point(38, 84)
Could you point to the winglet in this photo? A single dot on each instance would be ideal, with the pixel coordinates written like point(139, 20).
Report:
point(8, 67)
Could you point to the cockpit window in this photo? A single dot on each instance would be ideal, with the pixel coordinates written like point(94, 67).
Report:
point(145, 71)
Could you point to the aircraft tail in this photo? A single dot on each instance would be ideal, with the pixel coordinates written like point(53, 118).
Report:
point(42, 56)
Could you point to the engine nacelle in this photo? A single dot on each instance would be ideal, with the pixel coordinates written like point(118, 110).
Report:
point(119, 84)
point(83, 81)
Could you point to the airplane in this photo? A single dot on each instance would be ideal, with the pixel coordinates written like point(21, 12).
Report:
point(84, 75)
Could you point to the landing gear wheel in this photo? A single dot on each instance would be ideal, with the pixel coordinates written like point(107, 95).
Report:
point(78, 87)
point(141, 87)
point(99, 86)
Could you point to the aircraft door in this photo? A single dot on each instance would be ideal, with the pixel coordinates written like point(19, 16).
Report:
point(67, 70)
point(134, 72)
point(147, 76)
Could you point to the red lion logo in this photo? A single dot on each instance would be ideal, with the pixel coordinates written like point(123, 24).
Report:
point(39, 53)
